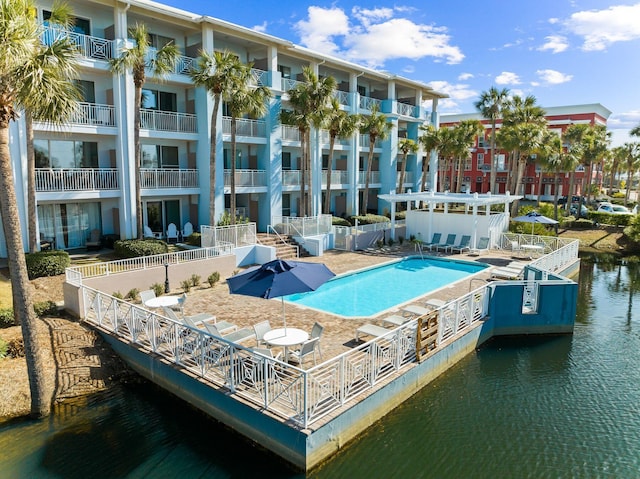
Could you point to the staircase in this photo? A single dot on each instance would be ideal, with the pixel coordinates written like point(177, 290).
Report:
point(286, 250)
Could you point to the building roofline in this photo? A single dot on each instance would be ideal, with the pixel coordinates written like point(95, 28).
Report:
point(586, 108)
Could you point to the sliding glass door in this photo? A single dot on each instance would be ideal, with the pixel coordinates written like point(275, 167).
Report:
point(70, 224)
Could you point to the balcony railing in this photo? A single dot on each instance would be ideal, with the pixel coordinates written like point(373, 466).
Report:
point(367, 103)
point(338, 177)
point(404, 109)
point(246, 178)
point(408, 177)
point(168, 178)
point(288, 83)
point(374, 178)
point(364, 142)
point(291, 177)
point(184, 64)
point(95, 114)
point(76, 179)
point(244, 127)
point(168, 121)
point(88, 46)
point(290, 133)
point(341, 96)
point(260, 77)
point(324, 138)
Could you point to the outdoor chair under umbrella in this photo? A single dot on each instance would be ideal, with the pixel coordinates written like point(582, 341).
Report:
point(280, 278)
point(534, 217)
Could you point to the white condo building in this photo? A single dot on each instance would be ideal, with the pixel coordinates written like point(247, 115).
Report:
point(85, 172)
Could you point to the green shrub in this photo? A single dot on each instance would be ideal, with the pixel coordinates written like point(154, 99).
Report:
point(582, 223)
point(157, 288)
point(47, 263)
point(379, 243)
point(117, 294)
point(400, 239)
point(133, 293)
point(136, 248)
point(4, 348)
point(390, 242)
point(45, 308)
point(633, 230)
point(195, 280)
point(618, 194)
point(186, 285)
point(609, 219)
point(225, 219)
point(6, 318)
point(213, 278)
point(336, 221)
point(369, 219)
point(194, 239)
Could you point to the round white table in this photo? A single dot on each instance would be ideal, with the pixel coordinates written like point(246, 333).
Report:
point(162, 301)
point(285, 337)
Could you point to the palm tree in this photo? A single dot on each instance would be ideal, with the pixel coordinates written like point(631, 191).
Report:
point(430, 140)
point(617, 157)
point(446, 150)
point(490, 106)
point(406, 146)
point(243, 99)
point(631, 163)
point(376, 126)
point(465, 134)
point(20, 41)
point(340, 124)
point(547, 158)
point(138, 58)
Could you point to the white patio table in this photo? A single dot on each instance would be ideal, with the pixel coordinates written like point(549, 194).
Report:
point(285, 337)
point(162, 301)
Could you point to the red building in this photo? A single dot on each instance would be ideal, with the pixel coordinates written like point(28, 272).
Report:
point(477, 167)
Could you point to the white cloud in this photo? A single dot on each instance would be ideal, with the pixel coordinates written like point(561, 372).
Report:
point(373, 36)
point(409, 69)
point(507, 78)
point(555, 43)
point(601, 28)
point(553, 77)
point(625, 120)
point(458, 92)
point(465, 76)
point(261, 28)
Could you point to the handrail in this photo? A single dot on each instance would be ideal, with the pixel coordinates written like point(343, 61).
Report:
point(283, 241)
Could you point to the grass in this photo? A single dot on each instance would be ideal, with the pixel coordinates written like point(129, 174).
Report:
point(6, 301)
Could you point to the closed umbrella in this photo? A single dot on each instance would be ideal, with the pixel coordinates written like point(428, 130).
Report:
point(534, 217)
point(280, 278)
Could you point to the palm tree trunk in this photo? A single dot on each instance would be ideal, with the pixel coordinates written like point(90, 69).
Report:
point(137, 157)
point(556, 177)
point(460, 173)
point(494, 167)
point(303, 174)
point(539, 189)
point(367, 179)
point(212, 160)
point(572, 177)
point(423, 185)
point(232, 202)
point(34, 242)
point(521, 165)
point(327, 198)
point(403, 164)
point(311, 173)
point(21, 288)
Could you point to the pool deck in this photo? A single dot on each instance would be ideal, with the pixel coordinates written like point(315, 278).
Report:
point(339, 333)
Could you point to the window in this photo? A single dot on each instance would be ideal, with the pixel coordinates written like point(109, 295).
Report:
point(158, 41)
point(159, 156)
point(65, 154)
point(286, 160)
point(159, 100)
point(285, 72)
point(481, 140)
point(325, 162)
point(362, 91)
point(79, 25)
point(480, 160)
point(87, 90)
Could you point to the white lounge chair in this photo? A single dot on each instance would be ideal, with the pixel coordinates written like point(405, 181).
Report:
point(371, 330)
point(307, 349)
point(187, 230)
point(236, 336)
point(481, 246)
point(172, 233)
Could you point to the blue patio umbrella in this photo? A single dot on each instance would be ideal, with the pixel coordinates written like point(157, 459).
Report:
point(534, 217)
point(279, 278)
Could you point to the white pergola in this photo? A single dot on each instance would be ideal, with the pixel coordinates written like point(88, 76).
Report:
point(474, 202)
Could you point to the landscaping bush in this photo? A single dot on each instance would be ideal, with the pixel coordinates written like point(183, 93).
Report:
point(610, 219)
point(117, 295)
point(633, 230)
point(4, 348)
point(337, 221)
point(46, 308)
point(194, 239)
point(195, 280)
point(6, 318)
point(136, 248)
point(582, 223)
point(47, 263)
point(132, 294)
point(213, 278)
point(157, 288)
point(369, 219)
point(186, 285)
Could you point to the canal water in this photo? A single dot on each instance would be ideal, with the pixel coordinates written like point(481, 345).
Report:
point(524, 408)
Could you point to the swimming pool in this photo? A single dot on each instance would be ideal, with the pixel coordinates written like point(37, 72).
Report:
point(371, 291)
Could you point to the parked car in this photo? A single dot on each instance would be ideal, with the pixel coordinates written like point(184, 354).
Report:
point(574, 210)
point(613, 209)
point(574, 199)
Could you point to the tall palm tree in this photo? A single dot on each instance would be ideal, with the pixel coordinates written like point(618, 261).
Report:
point(465, 134)
point(407, 146)
point(138, 58)
point(376, 126)
point(430, 141)
point(447, 151)
point(490, 106)
point(632, 164)
point(299, 119)
point(243, 99)
point(618, 156)
point(547, 157)
point(19, 42)
point(340, 124)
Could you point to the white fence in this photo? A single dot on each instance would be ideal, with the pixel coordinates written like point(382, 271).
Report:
point(236, 235)
point(245, 127)
point(168, 121)
point(246, 178)
point(168, 178)
point(76, 179)
point(302, 226)
point(555, 253)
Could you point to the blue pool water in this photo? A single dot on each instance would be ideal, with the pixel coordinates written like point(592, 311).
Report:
point(372, 291)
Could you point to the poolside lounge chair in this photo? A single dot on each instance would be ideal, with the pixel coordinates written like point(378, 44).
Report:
point(451, 240)
point(371, 330)
point(307, 349)
point(481, 246)
point(394, 320)
point(463, 245)
point(435, 241)
point(236, 336)
point(506, 273)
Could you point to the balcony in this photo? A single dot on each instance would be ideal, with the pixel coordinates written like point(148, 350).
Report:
point(245, 127)
point(246, 178)
point(408, 177)
point(373, 179)
point(291, 178)
point(88, 46)
point(367, 103)
point(152, 178)
point(94, 114)
point(325, 138)
point(168, 121)
point(405, 110)
point(290, 133)
point(342, 97)
point(76, 179)
point(259, 77)
point(364, 142)
point(288, 84)
point(338, 177)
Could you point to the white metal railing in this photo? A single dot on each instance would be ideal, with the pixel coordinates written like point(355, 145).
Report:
point(302, 226)
point(341, 96)
point(367, 103)
point(94, 114)
point(556, 253)
point(338, 177)
point(184, 65)
point(374, 178)
point(406, 110)
point(382, 226)
point(325, 138)
point(290, 133)
point(88, 46)
point(259, 77)
point(288, 84)
point(168, 178)
point(75, 274)
point(168, 121)
point(408, 177)
point(364, 142)
point(291, 177)
point(76, 179)
point(245, 127)
point(246, 178)
point(302, 396)
point(237, 235)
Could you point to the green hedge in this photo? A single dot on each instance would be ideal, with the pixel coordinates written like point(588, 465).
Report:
point(337, 221)
point(194, 239)
point(136, 248)
point(369, 219)
point(610, 219)
point(47, 263)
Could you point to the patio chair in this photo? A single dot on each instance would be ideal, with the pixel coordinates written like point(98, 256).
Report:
point(94, 241)
point(148, 233)
point(172, 233)
point(435, 241)
point(316, 332)
point(451, 240)
point(46, 243)
point(463, 245)
point(187, 230)
point(481, 246)
point(307, 349)
point(197, 320)
point(268, 353)
point(236, 336)
point(260, 329)
point(146, 296)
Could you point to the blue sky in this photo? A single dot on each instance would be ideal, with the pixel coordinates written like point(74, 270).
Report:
point(564, 52)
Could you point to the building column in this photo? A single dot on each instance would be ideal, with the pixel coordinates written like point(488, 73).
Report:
point(433, 160)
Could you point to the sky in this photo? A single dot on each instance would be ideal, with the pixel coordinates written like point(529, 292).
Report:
point(563, 52)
